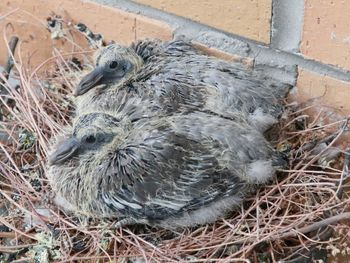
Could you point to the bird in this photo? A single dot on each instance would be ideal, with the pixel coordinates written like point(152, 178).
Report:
point(172, 172)
point(177, 77)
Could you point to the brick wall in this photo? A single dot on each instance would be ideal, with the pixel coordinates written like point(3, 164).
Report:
point(326, 38)
point(307, 41)
point(28, 21)
point(247, 18)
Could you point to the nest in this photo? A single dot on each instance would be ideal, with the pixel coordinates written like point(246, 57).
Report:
point(301, 211)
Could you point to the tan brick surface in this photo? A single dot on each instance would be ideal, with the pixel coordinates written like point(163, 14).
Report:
point(247, 18)
point(326, 32)
point(28, 22)
point(323, 91)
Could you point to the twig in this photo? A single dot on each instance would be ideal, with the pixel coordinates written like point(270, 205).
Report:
point(328, 232)
point(8, 67)
point(10, 63)
point(8, 13)
point(8, 234)
point(344, 174)
point(315, 226)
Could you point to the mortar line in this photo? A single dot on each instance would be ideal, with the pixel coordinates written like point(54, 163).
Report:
point(272, 19)
point(287, 24)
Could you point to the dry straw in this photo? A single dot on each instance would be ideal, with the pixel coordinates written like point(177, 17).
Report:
point(302, 208)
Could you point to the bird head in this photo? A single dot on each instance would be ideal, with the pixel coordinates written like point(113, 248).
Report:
point(91, 133)
point(77, 165)
point(114, 64)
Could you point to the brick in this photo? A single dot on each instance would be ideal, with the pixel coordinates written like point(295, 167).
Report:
point(326, 35)
point(323, 92)
point(328, 98)
point(247, 18)
point(36, 45)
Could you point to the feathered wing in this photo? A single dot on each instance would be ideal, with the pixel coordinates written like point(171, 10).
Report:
point(246, 85)
point(210, 70)
point(150, 50)
point(179, 166)
point(214, 84)
point(239, 86)
point(163, 177)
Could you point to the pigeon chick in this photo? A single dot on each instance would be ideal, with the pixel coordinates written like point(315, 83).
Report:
point(180, 72)
point(127, 87)
point(176, 171)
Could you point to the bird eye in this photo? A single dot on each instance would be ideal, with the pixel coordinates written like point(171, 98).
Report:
point(90, 139)
point(113, 65)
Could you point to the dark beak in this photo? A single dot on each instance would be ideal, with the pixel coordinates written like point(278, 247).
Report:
point(65, 150)
point(90, 81)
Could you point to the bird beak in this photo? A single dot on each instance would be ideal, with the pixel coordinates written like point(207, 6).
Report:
point(64, 151)
point(90, 81)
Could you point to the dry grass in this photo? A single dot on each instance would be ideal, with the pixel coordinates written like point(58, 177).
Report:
point(280, 221)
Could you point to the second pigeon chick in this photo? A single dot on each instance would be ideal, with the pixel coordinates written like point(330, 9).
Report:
point(177, 171)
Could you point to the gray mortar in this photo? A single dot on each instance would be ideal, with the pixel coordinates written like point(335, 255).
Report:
point(283, 64)
point(287, 23)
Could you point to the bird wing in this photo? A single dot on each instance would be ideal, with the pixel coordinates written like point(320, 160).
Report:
point(180, 165)
point(151, 50)
point(164, 173)
point(227, 85)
